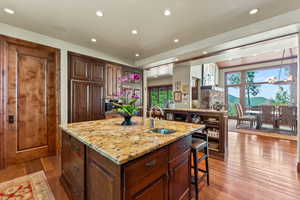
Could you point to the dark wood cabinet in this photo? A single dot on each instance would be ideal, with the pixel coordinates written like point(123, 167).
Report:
point(147, 177)
point(78, 68)
point(97, 72)
point(87, 101)
point(179, 184)
point(161, 175)
point(103, 178)
point(113, 82)
point(156, 190)
point(80, 101)
point(86, 88)
point(73, 166)
point(96, 101)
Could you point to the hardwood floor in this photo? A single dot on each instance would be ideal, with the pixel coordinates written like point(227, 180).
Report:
point(257, 168)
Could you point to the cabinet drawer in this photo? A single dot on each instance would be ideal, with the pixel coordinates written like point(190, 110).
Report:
point(147, 169)
point(180, 147)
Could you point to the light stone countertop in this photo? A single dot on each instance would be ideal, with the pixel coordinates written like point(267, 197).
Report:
point(122, 144)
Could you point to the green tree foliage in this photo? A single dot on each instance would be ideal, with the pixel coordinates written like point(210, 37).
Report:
point(234, 78)
point(282, 97)
point(251, 89)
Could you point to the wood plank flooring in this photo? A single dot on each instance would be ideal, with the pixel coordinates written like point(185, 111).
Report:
point(257, 168)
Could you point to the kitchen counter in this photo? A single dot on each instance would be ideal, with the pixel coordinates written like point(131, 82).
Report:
point(122, 144)
point(104, 160)
point(196, 110)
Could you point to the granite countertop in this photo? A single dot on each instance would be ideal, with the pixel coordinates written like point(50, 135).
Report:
point(196, 110)
point(121, 144)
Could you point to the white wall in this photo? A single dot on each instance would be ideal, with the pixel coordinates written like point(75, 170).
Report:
point(64, 48)
point(166, 80)
point(196, 71)
point(182, 72)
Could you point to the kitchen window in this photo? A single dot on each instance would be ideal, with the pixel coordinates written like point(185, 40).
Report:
point(161, 96)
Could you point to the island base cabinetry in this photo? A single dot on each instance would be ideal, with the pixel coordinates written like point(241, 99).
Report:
point(161, 175)
point(73, 163)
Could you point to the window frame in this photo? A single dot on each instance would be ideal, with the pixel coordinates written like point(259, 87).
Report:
point(158, 88)
point(243, 82)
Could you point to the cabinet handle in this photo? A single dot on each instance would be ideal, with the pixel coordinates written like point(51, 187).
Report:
point(151, 163)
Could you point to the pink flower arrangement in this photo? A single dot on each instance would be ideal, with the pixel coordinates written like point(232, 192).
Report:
point(133, 77)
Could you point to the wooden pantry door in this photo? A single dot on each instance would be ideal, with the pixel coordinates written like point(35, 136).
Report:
point(31, 103)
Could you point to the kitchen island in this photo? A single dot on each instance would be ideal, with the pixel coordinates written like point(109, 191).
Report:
point(106, 161)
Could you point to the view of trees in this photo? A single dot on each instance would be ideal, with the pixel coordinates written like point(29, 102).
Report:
point(251, 89)
point(161, 96)
point(257, 92)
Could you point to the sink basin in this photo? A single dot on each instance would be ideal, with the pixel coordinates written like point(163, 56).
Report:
point(163, 130)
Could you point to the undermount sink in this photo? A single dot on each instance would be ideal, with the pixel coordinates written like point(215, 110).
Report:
point(163, 130)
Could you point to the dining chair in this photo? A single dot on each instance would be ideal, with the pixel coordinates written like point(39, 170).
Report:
point(268, 115)
point(241, 117)
point(288, 116)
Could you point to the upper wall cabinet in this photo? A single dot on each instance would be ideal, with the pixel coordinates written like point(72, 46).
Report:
point(86, 88)
point(79, 68)
point(113, 80)
point(97, 72)
point(86, 69)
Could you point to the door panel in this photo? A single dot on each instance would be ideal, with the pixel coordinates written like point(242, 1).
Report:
point(31, 103)
point(96, 101)
point(80, 101)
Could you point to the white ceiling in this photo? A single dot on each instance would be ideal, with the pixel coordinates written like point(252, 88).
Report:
point(191, 20)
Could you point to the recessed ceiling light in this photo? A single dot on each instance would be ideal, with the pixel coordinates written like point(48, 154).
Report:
point(134, 32)
point(9, 11)
point(167, 12)
point(99, 13)
point(176, 40)
point(93, 40)
point(253, 11)
point(137, 55)
point(204, 52)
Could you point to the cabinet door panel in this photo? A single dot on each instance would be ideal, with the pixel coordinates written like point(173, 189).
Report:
point(79, 68)
point(113, 83)
point(96, 102)
point(97, 72)
point(73, 166)
point(80, 101)
point(156, 190)
point(179, 183)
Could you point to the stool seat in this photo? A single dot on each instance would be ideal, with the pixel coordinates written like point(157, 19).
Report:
point(198, 144)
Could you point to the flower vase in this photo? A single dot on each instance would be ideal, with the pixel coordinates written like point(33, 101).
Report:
point(127, 121)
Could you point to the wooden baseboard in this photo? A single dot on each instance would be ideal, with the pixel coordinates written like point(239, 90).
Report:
point(298, 167)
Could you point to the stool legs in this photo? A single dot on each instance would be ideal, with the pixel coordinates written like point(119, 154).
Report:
point(206, 166)
point(196, 169)
point(195, 158)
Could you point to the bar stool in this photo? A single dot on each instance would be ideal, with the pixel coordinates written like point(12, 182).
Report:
point(199, 144)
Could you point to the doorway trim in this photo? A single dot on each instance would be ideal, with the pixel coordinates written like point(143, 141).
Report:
point(3, 89)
